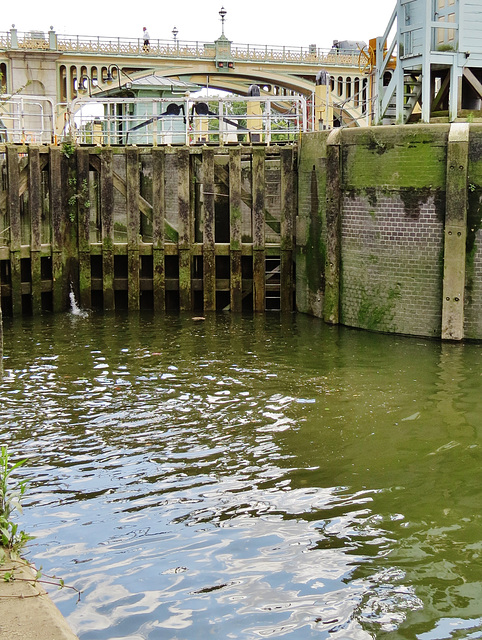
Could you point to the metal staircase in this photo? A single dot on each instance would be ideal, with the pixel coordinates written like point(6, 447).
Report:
point(412, 91)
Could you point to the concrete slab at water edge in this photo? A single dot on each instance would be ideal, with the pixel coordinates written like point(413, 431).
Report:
point(26, 611)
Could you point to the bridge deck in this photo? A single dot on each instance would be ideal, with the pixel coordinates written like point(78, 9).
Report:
point(126, 47)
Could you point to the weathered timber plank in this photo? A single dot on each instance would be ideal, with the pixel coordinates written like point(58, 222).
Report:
point(158, 226)
point(107, 225)
point(286, 279)
point(235, 222)
point(209, 259)
point(287, 229)
point(331, 305)
point(287, 200)
point(85, 280)
point(185, 227)
point(35, 205)
point(133, 226)
point(58, 225)
point(13, 180)
point(170, 232)
point(259, 266)
point(133, 282)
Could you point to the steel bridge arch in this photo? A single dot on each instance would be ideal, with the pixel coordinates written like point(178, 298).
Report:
point(243, 79)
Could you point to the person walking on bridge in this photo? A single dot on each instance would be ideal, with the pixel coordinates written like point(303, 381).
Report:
point(145, 36)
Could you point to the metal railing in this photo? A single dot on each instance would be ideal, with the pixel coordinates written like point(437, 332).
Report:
point(27, 119)
point(219, 120)
point(106, 45)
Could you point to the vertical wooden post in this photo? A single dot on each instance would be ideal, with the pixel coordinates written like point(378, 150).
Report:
point(235, 220)
point(185, 227)
point(158, 215)
point(209, 258)
point(13, 177)
point(133, 226)
point(35, 204)
point(55, 188)
point(455, 232)
point(107, 225)
point(1, 343)
point(287, 228)
point(331, 306)
point(83, 230)
point(259, 259)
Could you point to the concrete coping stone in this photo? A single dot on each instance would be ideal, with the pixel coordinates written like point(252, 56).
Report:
point(459, 132)
point(26, 610)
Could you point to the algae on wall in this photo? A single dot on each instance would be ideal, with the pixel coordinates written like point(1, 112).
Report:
point(311, 224)
point(392, 192)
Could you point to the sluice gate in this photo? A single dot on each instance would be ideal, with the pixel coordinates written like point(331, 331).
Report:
point(162, 228)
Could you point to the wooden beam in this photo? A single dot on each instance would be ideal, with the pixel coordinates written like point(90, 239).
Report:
point(476, 84)
point(442, 92)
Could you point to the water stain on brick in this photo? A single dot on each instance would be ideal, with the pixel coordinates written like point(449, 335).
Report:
point(475, 148)
point(413, 199)
point(474, 224)
point(371, 194)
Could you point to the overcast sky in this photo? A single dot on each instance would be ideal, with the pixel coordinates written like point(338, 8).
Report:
point(247, 21)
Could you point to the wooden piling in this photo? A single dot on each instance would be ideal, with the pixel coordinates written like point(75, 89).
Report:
point(259, 256)
point(287, 229)
point(13, 177)
point(185, 228)
point(331, 306)
point(209, 258)
point(1, 342)
point(107, 226)
point(235, 220)
point(35, 206)
point(55, 191)
point(133, 227)
point(158, 216)
point(83, 231)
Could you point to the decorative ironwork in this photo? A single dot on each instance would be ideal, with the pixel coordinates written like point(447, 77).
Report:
point(179, 49)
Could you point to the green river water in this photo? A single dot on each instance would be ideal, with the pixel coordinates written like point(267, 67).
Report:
point(249, 477)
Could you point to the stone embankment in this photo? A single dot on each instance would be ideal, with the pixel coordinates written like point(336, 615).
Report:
point(26, 611)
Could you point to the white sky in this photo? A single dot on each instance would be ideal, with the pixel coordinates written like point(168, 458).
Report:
point(280, 22)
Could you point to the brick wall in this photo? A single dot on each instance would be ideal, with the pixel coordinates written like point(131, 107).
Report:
point(391, 276)
point(391, 237)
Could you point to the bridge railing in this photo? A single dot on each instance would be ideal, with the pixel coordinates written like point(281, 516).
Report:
point(220, 120)
point(118, 46)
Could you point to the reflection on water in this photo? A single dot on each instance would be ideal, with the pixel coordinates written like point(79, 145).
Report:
point(249, 478)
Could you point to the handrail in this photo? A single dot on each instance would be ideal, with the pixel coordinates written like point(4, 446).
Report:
point(114, 45)
point(186, 120)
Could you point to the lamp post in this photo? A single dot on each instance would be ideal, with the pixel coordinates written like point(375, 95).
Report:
point(222, 13)
point(82, 88)
point(174, 35)
point(110, 78)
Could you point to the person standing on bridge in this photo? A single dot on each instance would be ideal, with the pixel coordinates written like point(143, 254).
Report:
point(145, 36)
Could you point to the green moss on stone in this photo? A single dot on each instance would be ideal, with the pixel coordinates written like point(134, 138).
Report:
point(376, 310)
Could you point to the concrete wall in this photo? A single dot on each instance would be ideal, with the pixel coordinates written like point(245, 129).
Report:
point(382, 219)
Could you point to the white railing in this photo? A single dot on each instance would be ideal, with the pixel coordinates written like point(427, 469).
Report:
point(162, 121)
point(27, 119)
point(106, 45)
